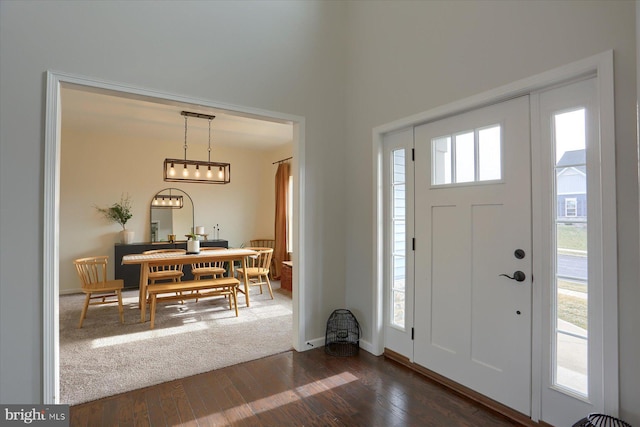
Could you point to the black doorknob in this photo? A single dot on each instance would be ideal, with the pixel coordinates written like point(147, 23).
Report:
point(518, 276)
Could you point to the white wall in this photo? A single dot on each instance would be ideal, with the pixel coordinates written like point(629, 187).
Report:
point(279, 56)
point(96, 169)
point(409, 57)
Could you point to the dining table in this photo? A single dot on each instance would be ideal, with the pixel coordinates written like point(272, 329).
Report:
point(173, 258)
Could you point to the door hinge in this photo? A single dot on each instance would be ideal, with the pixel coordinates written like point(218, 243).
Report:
point(413, 244)
point(412, 333)
point(413, 154)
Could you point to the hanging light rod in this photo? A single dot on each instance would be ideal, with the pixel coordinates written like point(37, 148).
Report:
point(197, 115)
point(190, 170)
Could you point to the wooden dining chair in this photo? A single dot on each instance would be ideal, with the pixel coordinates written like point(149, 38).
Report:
point(161, 273)
point(214, 269)
point(257, 270)
point(98, 290)
point(266, 243)
point(208, 268)
point(165, 272)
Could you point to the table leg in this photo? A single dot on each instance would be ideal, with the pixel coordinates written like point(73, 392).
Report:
point(142, 299)
point(246, 280)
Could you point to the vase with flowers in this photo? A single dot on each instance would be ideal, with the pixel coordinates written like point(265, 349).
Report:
point(120, 213)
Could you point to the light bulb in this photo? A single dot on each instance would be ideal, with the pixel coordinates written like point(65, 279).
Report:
point(197, 171)
point(220, 173)
point(209, 174)
point(185, 171)
point(172, 170)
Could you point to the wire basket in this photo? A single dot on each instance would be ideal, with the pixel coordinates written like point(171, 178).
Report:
point(601, 420)
point(343, 334)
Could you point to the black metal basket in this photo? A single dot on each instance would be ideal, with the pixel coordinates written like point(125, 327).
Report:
point(343, 334)
point(601, 420)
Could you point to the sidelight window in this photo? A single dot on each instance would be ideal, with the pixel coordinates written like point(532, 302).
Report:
point(399, 238)
point(570, 367)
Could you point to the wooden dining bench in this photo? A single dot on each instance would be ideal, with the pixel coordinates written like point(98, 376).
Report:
point(226, 286)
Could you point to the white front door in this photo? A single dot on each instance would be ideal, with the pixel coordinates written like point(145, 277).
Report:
point(473, 251)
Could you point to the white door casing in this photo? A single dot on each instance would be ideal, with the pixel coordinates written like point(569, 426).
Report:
point(599, 66)
point(471, 324)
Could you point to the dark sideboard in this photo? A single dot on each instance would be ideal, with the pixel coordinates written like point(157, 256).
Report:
point(131, 273)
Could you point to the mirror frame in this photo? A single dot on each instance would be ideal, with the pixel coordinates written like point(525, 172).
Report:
point(193, 208)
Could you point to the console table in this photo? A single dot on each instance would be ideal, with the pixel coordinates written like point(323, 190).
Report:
point(131, 273)
point(286, 275)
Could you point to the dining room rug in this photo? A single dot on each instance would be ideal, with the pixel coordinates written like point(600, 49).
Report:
point(105, 357)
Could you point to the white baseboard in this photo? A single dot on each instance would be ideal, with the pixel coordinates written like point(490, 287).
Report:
point(319, 342)
point(314, 343)
point(70, 291)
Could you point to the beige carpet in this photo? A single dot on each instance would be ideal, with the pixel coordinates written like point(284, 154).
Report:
point(106, 358)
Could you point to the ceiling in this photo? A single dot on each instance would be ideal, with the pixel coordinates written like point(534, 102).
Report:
point(90, 110)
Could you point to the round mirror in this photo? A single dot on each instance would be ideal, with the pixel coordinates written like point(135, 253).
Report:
point(171, 215)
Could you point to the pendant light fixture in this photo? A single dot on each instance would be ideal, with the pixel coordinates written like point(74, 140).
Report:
point(179, 170)
point(169, 201)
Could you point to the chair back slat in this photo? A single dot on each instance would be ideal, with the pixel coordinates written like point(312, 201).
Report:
point(263, 260)
point(263, 243)
point(162, 267)
point(209, 264)
point(91, 270)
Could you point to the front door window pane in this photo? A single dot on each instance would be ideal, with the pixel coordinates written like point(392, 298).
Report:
point(489, 158)
point(465, 157)
point(441, 163)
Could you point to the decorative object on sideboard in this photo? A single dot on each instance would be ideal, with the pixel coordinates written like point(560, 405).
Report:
point(193, 244)
point(120, 213)
point(213, 172)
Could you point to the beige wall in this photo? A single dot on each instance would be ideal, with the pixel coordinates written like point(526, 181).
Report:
point(96, 169)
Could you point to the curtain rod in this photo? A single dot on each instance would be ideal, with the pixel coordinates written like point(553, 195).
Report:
point(282, 161)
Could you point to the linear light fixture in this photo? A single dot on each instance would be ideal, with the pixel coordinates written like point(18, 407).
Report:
point(204, 172)
point(168, 201)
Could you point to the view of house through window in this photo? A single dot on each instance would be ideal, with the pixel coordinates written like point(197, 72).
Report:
point(571, 286)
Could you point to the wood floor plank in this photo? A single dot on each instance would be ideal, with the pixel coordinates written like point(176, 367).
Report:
point(183, 405)
point(203, 403)
point(139, 405)
point(167, 405)
point(294, 389)
point(153, 406)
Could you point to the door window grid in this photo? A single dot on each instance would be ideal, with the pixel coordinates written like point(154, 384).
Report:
point(467, 157)
point(570, 364)
point(399, 239)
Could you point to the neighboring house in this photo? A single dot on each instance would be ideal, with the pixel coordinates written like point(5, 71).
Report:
point(571, 185)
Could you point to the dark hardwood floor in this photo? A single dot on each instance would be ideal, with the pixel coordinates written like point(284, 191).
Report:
point(293, 389)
